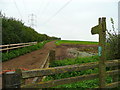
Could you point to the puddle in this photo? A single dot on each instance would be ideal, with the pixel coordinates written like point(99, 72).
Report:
point(74, 52)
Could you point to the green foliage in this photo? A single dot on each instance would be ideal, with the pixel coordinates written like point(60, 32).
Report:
point(82, 84)
point(113, 40)
point(21, 51)
point(75, 42)
point(14, 31)
point(74, 61)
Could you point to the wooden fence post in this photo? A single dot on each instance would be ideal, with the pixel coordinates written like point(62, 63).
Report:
point(102, 45)
point(12, 79)
point(101, 30)
point(7, 49)
point(51, 56)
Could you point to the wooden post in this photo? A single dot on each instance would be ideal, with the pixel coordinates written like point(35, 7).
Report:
point(51, 56)
point(7, 49)
point(101, 30)
point(102, 45)
point(12, 79)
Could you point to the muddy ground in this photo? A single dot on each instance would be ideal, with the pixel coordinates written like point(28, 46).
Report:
point(74, 50)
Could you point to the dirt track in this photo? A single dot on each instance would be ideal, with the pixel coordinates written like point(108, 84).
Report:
point(31, 60)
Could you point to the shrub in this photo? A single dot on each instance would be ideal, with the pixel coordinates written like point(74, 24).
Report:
point(113, 40)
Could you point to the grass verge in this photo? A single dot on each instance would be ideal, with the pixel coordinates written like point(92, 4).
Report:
point(21, 51)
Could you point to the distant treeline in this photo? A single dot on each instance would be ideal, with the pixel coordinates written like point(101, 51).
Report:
point(14, 31)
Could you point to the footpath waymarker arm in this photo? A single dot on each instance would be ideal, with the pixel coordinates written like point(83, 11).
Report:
point(101, 30)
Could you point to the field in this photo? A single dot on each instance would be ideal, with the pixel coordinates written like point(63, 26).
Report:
point(59, 42)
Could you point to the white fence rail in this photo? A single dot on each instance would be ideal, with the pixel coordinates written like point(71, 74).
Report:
point(14, 46)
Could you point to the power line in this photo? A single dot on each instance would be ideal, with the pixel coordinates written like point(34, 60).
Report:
point(24, 4)
point(57, 12)
point(41, 5)
point(17, 8)
point(45, 8)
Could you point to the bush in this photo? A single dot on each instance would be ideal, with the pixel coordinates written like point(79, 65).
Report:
point(113, 40)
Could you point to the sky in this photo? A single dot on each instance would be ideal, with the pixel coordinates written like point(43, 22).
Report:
point(68, 19)
point(119, 16)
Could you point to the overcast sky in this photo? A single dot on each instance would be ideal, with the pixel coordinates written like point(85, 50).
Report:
point(68, 19)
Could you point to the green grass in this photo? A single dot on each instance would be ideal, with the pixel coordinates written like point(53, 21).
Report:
point(83, 84)
point(78, 60)
point(76, 42)
point(21, 51)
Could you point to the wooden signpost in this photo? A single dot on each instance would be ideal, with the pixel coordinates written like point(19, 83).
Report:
point(101, 30)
